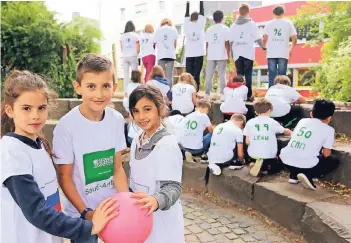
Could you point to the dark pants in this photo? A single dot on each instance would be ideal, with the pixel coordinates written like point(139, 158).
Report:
point(291, 119)
point(324, 166)
point(244, 67)
point(276, 66)
point(272, 166)
point(194, 66)
point(222, 166)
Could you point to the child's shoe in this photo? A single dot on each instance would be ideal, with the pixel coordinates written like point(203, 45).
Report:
point(189, 157)
point(215, 169)
point(204, 158)
point(307, 182)
point(255, 170)
point(237, 165)
point(293, 179)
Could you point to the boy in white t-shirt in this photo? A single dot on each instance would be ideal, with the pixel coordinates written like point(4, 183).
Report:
point(88, 142)
point(243, 34)
point(308, 154)
point(217, 51)
point(175, 123)
point(283, 97)
point(277, 34)
point(194, 142)
point(261, 139)
point(227, 149)
point(235, 95)
point(194, 30)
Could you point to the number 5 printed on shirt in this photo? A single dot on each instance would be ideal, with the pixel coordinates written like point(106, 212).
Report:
point(302, 132)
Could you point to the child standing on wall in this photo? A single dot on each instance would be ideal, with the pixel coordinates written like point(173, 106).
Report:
point(88, 142)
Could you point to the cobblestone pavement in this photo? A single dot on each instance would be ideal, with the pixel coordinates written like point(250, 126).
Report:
point(205, 222)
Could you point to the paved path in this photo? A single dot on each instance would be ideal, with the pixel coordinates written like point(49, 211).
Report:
point(206, 222)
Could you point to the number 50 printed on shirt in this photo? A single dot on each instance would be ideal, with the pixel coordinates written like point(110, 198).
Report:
point(98, 166)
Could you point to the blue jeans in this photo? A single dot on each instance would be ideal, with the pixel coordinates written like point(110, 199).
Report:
point(206, 145)
point(273, 70)
point(92, 239)
point(244, 68)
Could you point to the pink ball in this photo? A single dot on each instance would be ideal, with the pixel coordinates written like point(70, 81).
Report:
point(131, 225)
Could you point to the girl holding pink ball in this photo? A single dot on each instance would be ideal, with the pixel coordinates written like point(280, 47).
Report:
point(156, 167)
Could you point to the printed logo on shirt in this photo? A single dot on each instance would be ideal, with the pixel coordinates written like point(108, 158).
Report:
point(190, 128)
point(277, 35)
point(98, 165)
point(195, 37)
point(180, 91)
point(54, 201)
point(215, 39)
point(260, 137)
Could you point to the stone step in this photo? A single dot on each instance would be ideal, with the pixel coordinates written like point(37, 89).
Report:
point(341, 119)
point(317, 215)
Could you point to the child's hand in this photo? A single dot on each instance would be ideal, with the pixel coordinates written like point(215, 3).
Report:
point(148, 201)
point(103, 214)
point(288, 132)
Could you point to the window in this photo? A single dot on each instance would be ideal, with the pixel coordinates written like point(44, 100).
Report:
point(123, 13)
point(162, 5)
point(305, 77)
point(179, 29)
point(141, 9)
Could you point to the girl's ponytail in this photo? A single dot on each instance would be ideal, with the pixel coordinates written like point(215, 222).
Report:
point(7, 124)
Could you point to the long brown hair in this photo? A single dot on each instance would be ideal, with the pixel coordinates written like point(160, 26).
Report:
point(17, 83)
point(157, 71)
point(187, 78)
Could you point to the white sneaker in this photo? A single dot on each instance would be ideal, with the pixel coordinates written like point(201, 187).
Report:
point(293, 181)
point(189, 158)
point(307, 183)
point(215, 169)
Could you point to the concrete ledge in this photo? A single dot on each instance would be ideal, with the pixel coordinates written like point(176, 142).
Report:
point(327, 223)
point(285, 203)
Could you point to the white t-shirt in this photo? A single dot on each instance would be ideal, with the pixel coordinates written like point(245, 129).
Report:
point(195, 37)
point(90, 146)
point(129, 41)
point(281, 96)
point(234, 100)
point(164, 38)
point(164, 88)
point(243, 38)
point(18, 158)
point(130, 88)
point(182, 97)
point(279, 32)
point(175, 125)
point(223, 142)
point(262, 131)
point(147, 44)
point(194, 129)
point(216, 36)
point(134, 130)
point(309, 137)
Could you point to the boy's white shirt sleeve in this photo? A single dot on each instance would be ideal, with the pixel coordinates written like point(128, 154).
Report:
point(121, 143)
point(266, 29)
point(277, 128)
point(246, 131)
point(170, 161)
point(292, 29)
point(62, 145)
point(329, 141)
point(294, 95)
point(207, 121)
point(15, 163)
point(193, 90)
point(239, 137)
point(227, 33)
point(256, 34)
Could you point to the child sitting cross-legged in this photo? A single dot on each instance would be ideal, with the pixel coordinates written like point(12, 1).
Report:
point(194, 142)
point(226, 149)
point(234, 96)
point(302, 155)
point(261, 139)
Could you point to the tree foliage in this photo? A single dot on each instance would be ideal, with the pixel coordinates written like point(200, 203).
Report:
point(332, 23)
point(32, 39)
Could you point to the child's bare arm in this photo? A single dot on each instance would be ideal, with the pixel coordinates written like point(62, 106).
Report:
point(326, 152)
point(119, 175)
point(138, 47)
point(69, 188)
point(210, 129)
point(194, 99)
point(247, 140)
point(240, 151)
